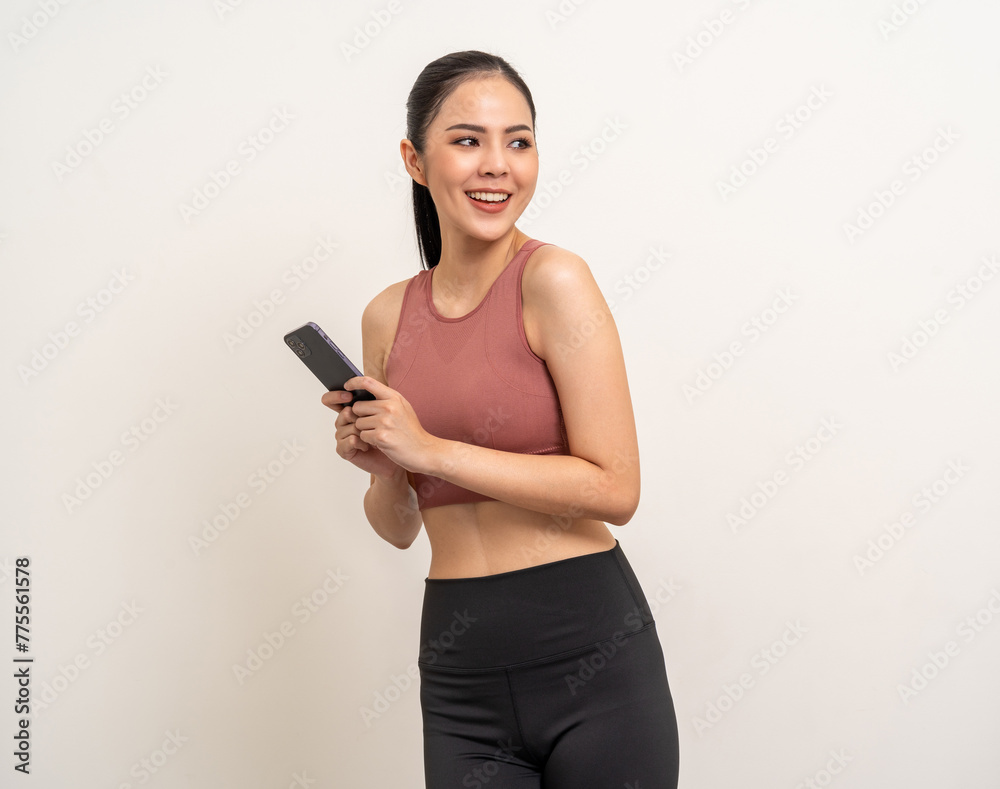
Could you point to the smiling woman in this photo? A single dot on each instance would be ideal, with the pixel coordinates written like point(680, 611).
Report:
point(514, 453)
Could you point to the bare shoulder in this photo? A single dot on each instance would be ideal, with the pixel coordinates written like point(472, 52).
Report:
point(558, 295)
point(568, 323)
point(378, 327)
point(550, 269)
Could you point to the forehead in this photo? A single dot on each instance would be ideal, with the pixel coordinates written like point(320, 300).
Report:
point(482, 98)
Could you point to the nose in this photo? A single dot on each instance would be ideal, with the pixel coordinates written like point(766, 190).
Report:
point(494, 160)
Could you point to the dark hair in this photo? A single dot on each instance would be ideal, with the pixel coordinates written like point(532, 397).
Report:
point(435, 84)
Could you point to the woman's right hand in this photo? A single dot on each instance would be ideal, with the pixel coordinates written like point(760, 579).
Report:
point(349, 444)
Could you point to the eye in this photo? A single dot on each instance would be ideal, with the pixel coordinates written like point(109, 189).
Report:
point(521, 142)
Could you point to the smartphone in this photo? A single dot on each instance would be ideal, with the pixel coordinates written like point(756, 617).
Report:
point(328, 363)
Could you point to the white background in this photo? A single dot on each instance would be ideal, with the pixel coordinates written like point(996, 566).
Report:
point(137, 630)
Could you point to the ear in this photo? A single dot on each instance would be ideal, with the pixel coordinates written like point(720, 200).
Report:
point(411, 160)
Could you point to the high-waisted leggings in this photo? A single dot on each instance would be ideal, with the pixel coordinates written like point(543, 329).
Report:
point(551, 676)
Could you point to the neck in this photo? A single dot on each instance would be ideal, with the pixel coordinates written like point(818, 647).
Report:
point(468, 267)
point(468, 263)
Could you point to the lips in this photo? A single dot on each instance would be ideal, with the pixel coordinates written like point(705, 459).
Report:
point(490, 202)
point(488, 195)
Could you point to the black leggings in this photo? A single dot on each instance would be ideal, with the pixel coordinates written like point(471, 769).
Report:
point(551, 676)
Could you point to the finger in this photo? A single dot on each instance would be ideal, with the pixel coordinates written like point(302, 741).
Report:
point(336, 399)
point(377, 388)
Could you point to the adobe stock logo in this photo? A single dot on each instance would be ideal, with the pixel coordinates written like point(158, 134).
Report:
point(923, 500)
point(561, 13)
point(259, 481)
point(430, 653)
point(366, 33)
point(901, 14)
point(710, 31)
point(795, 460)
point(967, 630)
point(98, 643)
point(62, 338)
point(928, 328)
point(548, 191)
point(914, 168)
point(92, 138)
point(132, 439)
point(754, 328)
point(303, 610)
point(149, 765)
point(762, 661)
point(264, 308)
point(249, 149)
point(785, 128)
point(32, 26)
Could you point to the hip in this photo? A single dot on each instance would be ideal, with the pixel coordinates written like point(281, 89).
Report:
point(536, 613)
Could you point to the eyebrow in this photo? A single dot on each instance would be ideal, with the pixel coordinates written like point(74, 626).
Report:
point(482, 129)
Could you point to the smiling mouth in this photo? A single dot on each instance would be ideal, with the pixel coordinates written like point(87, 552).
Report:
point(489, 197)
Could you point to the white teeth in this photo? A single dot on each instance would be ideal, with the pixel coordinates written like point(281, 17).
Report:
point(488, 197)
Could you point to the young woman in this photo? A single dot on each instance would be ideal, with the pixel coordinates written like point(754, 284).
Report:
point(503, 424)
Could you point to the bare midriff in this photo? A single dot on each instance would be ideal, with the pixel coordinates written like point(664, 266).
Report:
point(488, 537)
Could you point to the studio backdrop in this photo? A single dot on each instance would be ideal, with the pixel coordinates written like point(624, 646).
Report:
point(791, 209)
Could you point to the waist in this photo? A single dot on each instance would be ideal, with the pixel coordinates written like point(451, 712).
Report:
point(530, 614)
point(489, 537)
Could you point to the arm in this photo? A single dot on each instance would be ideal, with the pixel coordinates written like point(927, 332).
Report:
point(390, 501)
point(391, 509)
point(577, 337)
point(572, 328)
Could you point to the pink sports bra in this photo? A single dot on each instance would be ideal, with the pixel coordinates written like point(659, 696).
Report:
point(474, 379)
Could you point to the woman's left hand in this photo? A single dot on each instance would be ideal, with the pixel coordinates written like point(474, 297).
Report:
point(390, 424)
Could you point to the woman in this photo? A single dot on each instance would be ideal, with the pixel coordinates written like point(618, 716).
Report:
point(503, 424)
